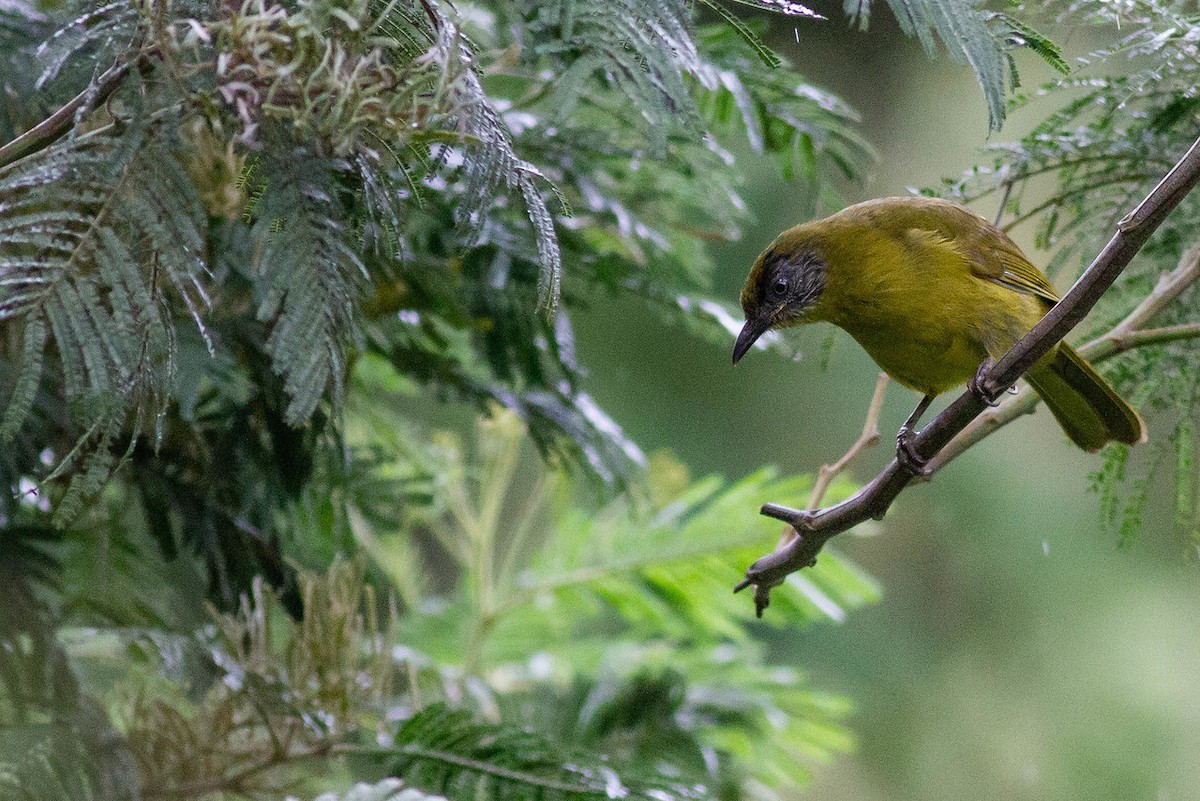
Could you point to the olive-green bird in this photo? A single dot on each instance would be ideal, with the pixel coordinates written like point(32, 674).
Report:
point(931, 291)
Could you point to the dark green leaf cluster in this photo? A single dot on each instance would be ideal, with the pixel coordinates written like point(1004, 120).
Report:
point(88, 257)
point(970, 36)
point(324, 180)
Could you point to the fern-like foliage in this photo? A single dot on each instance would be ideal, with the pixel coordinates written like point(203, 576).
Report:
point(349, 146)
point(288, 692)
point(556, 591)
point(93, 265)
point(970, 35)
point(90, 34)
point(445, 750)
point(707, 710)
point(307, 281)
point(243, 704)
point(363, 160)
point(642, 50)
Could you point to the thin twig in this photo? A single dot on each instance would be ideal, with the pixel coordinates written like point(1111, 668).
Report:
point(1008, 187)
point(1150, 336)
point(58, 123)
point(1170, 286)
point(870, 435)
point(1080, 190)
point(828, 472)
point(815, 528)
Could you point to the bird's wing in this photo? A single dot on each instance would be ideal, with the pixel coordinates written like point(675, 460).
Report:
point(1017, 273)
point(947, 230)
point(987, 251)
point(997, 258)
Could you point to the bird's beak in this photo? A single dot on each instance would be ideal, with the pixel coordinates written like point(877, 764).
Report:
point(751, 331)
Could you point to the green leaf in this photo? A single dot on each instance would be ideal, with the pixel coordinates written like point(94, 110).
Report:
point(683, 559)
point(24, 390)
point(94, 264)
point(768, 56)
point(1021, 35)
point(446, 751)
point(309, 282)
point(780, 113)
point(966, 35)
point(717, 713)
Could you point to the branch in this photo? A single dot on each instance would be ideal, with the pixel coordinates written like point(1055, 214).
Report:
point(1150, 336)
point(58, 123)
point(239, 779)
point(815, 528)
point(1170, 286)
point(1124, 336)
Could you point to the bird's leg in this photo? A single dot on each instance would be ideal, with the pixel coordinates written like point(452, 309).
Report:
point(977, 385)
point(905, 454)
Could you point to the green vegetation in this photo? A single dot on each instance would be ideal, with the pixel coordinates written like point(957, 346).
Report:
point(261, 247)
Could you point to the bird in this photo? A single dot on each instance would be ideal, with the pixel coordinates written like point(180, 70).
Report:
point(934, 293)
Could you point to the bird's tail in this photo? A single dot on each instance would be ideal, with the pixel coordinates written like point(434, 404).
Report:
point(1088, 409)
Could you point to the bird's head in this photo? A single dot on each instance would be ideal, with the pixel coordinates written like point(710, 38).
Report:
point(784, 285)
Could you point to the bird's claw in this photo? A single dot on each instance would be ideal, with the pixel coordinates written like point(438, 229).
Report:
point(978, 384)
point(907, 455)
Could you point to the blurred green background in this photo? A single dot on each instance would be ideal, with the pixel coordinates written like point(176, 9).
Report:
point(1017, 653)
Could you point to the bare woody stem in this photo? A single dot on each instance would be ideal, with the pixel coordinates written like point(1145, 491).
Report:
point(815, 528)
point(869, 436)
point(48, 130)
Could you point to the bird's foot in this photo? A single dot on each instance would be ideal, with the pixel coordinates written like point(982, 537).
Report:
point(979, 386)
point(907, 455)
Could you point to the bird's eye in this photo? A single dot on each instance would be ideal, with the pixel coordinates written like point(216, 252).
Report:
point(779, 288)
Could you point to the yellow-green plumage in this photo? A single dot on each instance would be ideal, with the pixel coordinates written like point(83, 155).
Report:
point(931, 289)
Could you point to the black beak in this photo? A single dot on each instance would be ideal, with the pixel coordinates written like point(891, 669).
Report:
point(751, 331)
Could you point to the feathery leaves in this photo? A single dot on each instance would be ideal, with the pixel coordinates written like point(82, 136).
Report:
point(445, 750)
point(308, 280)
point(103, 249)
